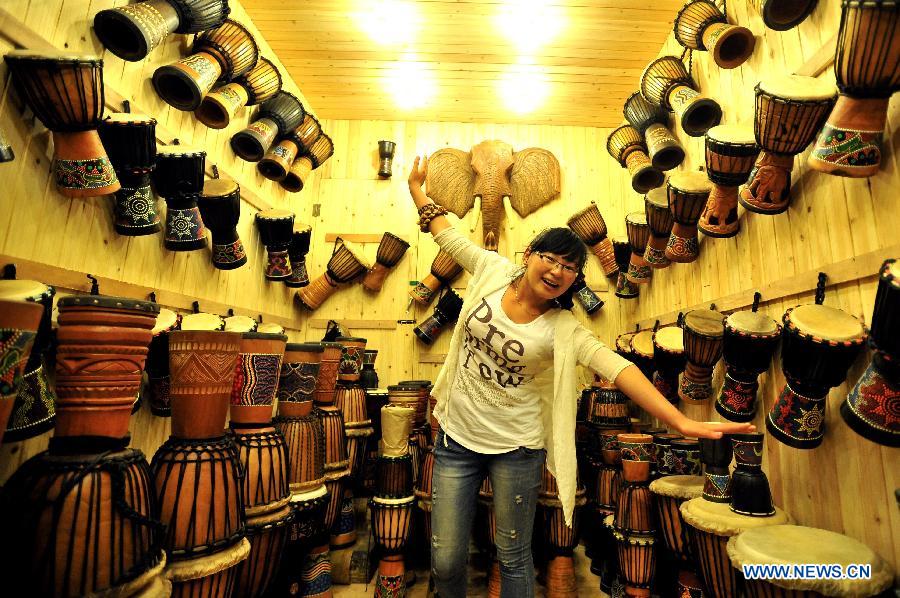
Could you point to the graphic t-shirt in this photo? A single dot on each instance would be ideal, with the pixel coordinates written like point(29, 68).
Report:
point(496, 404)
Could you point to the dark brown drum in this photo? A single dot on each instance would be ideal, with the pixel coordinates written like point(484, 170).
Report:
point(625, 289)
point(279, 115)
point(220, 208)
point(703, 334)
point(275, 228)
point(782, 15)
point(688, 194)
point(751, 339)
point(627, 147)
point(297, 250)
point(659, 218)
point(731, 151)
point(652, 122)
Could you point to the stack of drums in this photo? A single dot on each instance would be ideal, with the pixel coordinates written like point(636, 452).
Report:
point(608, 484)
point(83, 514)
point(634, 524)
point(197, 473)
point(415, 394)
point(559, 539)
point(668, 495)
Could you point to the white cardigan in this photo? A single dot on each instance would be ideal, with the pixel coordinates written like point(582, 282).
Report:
point(573, 344)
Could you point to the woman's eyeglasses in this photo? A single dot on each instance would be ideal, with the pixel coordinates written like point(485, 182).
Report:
point(552, 263)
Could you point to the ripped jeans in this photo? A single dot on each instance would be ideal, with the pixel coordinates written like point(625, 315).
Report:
point(516, 479)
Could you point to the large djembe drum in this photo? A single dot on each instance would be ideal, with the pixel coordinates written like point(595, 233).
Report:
point(268, 535)
point(688, 194)
point(305, 439)
point(220, 208)
point(666, 82)
point(590, 227)
point(790, 111)
point(668, 494)
point(157, 366)
point(391, 250)
point(700, 25)
point(669, 358)
point(793, 545)
point(750, 341)
point(819, 344)
point(345, 264)
point(731, 151)
point(249, 89)
point(627, 147)
point(130, 140)
point(446, 312)
point(623, 345)
point(639, 271)
point(872, 406)
point(867, 68)
point(212, 575)
point(178, 178)
point(275, 229)
point(625, 289)
point(660, 221)
point(223, 53)
point(131, 32)
point(652, 122)
point(262, 453)
point(297, 250)
point(279, 115)
point(703, 339)
point(241, 324)
point(443, 270)
point(65, 92)
point(634, 522)
point(782, 15)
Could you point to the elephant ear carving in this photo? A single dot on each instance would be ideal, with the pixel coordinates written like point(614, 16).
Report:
point(534, 181)
point(451, 180)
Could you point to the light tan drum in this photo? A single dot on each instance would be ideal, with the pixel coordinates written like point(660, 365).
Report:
point(688, 194)
point(202, 321)
point(731, 151)
point(669, 493)
point(396, 426)
point(666, 82)
point(700, 25)
point(346, 263)
point(627, 147)
point(590, 227)
point(642, 351)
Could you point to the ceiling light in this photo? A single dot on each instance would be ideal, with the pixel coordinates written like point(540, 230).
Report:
point(388, 22)
point(524, 88)
point(410, 83)
point(529, 24)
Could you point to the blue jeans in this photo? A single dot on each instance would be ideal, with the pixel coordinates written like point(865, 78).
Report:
point(458, 473)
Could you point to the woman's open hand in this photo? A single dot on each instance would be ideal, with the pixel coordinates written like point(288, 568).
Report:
point(693, 429)
point(418, 172)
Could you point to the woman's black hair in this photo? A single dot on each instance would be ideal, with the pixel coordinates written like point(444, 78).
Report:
point(562, 241)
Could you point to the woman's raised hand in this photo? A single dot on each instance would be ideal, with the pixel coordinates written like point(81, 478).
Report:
point(418, 172)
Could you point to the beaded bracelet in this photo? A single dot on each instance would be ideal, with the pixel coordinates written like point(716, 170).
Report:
point(429, 212)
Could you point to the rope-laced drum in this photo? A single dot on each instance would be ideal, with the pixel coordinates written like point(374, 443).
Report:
point(443, 270)
point(750, 492)
point(297, 250)
point(391, 250)
point(659, 218)
point(279, 115)
point(703, 338)
point(220, 208)
point(157, 366)
point(275, 229)
point(639, 271)
point(652, 122)
point(731, 152)
point(668, 495)
point(346, 264)
point(320, 150)
point(669, 358)
point(751, 339)
point(688, 194)
point(627, 147)
point(178, 178)
point(666, 82)
point(700, 25)
point(590, 227)
point(625, 289)
point(257, 85)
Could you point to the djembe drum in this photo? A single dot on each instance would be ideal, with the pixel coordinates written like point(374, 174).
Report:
point(296, 177)
point(610, 406)
point(131, 32)
point(625, 289)
point(241, 324)
point(716, 454)
point(634, 524)
point(660, 221)
point(212, 575)
point(391, 519)
point(277, 161)
point(277, 116)
point(249, 89)
point(19, 323)
point(662, 453)
point(220, 208)
point(819, 344)
point(65, 92)
point(202, 320)
point(872, 406)
point(652, 122)
point(297, 250)
point(304, 135)
point(791, 546)
point(750, 492)
point(790, 111)
point(443, 270)
point(346, 264)
point(223, 53)
point(642, 352)
point(688, 194)
point(623, 345)
point(275, 229)
point(590, 227)
point(703, 338)
point(385, 157)
point(561, 540)
point(256, 378)
point(446, 312)
point(668, 495)
point(328, 373)
point(782, 15)
point(320, 150)
point(700, 25)
point(587, 297)
point(178, 178)
point(685, 456)
point(639, 271)
point(267, 535)
point(666, 82)
point(750, 341)
point(157, 366)
point(391, 250)
point(368, 377)
point(262, 453)
point(130, 140)
point(731, 151)
point(627, 147)
point(305, 439)
point(669, 358)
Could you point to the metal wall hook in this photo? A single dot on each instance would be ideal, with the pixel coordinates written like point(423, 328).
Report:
point(196, 306)
point(230, 312)
point(176, 141)
point(656, 326)
point(126, 106)
point(215, 170)
point(259, 318)
point(756, 297)
point(637, 328)
point(680, 320)
point(9, 272)
point(95, 286)
point(153, 296)
point(712, 306)
point(820, 288)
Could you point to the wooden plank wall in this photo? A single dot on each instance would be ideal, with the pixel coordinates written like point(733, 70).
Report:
point(846, 485)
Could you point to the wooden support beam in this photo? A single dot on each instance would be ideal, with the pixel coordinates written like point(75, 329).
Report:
point(432, 357)
point(821, 60)
point(356, 324)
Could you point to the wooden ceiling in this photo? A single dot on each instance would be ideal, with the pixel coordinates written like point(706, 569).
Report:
point(459, 52)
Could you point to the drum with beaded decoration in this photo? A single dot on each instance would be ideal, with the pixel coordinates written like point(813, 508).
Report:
point(704, 330)
point(666, 82)
point(346, 263)
point(639, 271)
point(750, 341)
point(275, 229)
point(249, 89)
point(660, 221)
point(700, 25)
point(590, 227)
point(731, 151)
point(688, 194)
point(178, 178)
point(627, 147)
point(652, 122)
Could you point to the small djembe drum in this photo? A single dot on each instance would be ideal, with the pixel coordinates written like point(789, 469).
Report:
point(303, 137)
point(639, 271)
point(352, 349)
point(669, 358)
point(709, 525)
point(391, 250)
point(652, 122)
point(586, 297)
point(34, 409)
point(320, 150)
point(660, 221)
point(279, 115)
point(703, 338)
point(275, 229)
point(790, 111)
point(782, 15)
point(443, 270)
point(792, 546)
point(178, 178)
point(157, 367)
point(731, 151)
point(662, 453)
point(277, 161)
point(685, 456)
point(346, 264)
point(716, 454)
point(249, 89)
point(385, 157)
point(65, 92)
point(750, 341)
point(219, 54)
point(627, 147)
point(220, 208)
point(666, 82)
point(700, 25)
point(131, 32)
point(590, 227)
point(297, 250)
point(391, 519)
point(819, 344)
point(668, 495)
point(368, 377)
point(446, 312)
point(130, 140)
point(642, 352)
point(867, 72)
point(19, 323)
point(750, 492)
point(688, 194)
point(625, 289)
point(876, 395)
